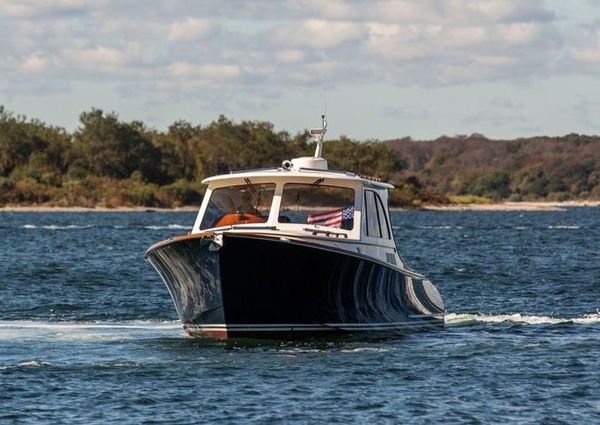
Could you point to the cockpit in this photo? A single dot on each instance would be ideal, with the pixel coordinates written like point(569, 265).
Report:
point(299, 203)
point(346, 208)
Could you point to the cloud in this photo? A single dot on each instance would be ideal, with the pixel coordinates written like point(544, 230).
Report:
point(27, 9)
point(320, 33)
point(34, 63)
point(190, 29)
point(290, 56)
point(292, 44)
point(206, 71)
point(586, 55)
point(97, 56)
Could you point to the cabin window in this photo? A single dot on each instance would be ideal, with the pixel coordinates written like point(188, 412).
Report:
point(243, 204)
point(317, 204)
point(383, 220)
point(377, 224)
point(372, 219)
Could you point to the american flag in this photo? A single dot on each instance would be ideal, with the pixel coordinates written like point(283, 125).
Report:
point(333, 218)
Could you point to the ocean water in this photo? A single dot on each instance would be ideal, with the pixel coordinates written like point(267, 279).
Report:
point(88, 333)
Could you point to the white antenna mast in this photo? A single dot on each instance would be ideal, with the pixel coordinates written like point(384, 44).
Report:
point(319, 134)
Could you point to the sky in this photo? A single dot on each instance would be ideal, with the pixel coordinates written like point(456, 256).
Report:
point(378, 69)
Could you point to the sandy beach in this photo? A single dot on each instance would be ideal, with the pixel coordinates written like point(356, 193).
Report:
point(513, 206)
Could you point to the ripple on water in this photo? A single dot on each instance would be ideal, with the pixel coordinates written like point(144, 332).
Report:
point(88, 332)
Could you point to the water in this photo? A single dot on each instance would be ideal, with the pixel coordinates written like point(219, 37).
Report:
point(88, 333)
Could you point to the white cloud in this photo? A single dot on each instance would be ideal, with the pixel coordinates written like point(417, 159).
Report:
point(290, 56)
point(292, 44)
point(321, 34)
point(34, 63)
point(36, 8)
point(586, 47)
point(399, 41)
point(332, 9)
point(518, 33)
point(463, 36)
point(99, 55)
point(587, 55)
point(396, 41)
point(190, 29)
point(205, 71)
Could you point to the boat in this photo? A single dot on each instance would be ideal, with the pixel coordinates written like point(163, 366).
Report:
point(294, 251)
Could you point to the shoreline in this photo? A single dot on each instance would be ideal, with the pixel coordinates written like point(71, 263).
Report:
point(501, 206)
point(40, 208)
point(513, 206)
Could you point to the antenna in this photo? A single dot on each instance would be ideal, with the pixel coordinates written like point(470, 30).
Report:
point(319, 134)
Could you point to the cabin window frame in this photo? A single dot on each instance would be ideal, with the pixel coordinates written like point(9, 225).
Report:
point(379, 212)
point(382, 213)
point(209, 194)
point(300, 228)
point(331, 185)
point(371, 220)
point(356, 187)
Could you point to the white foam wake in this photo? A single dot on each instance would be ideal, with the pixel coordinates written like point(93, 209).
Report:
point(42, 330)
point(58, 227)
point(89, 226)
point(563, 226)
point(459, 319)
point(169, 227)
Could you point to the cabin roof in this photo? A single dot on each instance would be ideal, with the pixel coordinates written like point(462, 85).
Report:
point(282, 174)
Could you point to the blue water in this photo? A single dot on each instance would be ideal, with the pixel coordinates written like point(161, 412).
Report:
point(88, 333)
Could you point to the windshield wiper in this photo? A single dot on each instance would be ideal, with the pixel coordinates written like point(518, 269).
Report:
point(301, 192)
point(256, 192)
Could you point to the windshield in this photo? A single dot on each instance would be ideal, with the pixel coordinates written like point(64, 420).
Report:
point(243, 204)
point(317, 204)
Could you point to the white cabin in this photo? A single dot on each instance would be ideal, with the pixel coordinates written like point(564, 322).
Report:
point(303, 200)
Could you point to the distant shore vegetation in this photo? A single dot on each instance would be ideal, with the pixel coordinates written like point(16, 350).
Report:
point(107, 162)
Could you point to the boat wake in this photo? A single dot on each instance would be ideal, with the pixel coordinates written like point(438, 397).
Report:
point(72, 331)
point(150, 329)
point(464, 319)
point(99, 226)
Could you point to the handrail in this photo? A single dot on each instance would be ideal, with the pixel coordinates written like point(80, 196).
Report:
point(326, 232)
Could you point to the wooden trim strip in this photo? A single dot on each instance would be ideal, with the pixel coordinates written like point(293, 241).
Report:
point(179, 238)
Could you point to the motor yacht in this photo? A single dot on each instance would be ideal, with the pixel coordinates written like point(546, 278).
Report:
point(293, 251)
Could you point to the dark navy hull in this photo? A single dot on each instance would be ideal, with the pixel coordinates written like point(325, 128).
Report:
point(267, 287)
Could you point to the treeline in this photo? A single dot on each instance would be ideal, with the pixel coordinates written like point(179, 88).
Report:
point(532, 169)
point(109, 162)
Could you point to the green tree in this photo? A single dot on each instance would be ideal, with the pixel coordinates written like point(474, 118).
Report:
point(104, 146)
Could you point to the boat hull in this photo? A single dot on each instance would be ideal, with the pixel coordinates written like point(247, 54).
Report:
point(271, 287)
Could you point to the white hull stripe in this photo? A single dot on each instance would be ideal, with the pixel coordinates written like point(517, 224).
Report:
point(311, 327)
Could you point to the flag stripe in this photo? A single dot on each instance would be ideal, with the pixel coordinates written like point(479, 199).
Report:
point(332, 218)
point(319, 214)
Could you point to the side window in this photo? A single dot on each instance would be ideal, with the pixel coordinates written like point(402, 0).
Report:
point(383, 220)
point(376, 219)
point(372, 219)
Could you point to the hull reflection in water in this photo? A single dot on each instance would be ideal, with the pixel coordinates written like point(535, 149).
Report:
point(263, 286)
